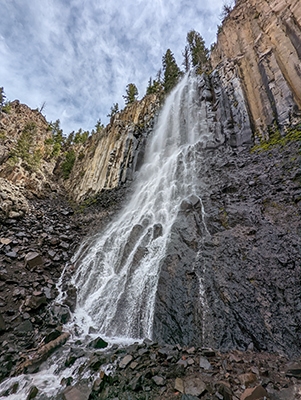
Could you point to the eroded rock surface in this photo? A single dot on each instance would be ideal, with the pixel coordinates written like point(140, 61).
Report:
point(257, 57)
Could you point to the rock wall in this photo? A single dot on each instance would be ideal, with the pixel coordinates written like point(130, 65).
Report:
point(114, 154)
point(25, 168)
point(236, 285)
point(259, 46)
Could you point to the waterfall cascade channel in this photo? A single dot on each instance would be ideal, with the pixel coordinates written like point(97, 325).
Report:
point(118, 269)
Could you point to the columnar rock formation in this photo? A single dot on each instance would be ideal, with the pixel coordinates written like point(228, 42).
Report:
point(259, 44)
point(115, 153)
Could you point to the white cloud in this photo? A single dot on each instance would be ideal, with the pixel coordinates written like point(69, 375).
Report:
point(78, 56)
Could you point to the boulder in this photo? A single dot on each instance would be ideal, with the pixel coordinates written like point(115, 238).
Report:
point(33, 260)
point(194, 386)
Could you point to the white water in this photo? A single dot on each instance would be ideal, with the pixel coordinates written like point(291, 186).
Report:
point(118, 270)
point(117, 275)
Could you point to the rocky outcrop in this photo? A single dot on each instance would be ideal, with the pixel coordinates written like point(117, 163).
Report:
point(25, 163)
point(259, 51)
point(231, 278)
point(114, 154)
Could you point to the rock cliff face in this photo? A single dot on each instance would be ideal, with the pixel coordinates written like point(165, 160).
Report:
point(25, 168)
point(113, 155)
point(259, 47)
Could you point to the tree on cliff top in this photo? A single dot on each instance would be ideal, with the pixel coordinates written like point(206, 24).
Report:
point(2, 97)
point(171, 71)
point(131, 93)
point(198, 52)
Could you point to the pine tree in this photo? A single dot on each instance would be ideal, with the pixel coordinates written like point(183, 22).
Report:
point(154, 86)
point(114, 110)
point(171, 71)
point(186, 61)
point(2, 97)
point(131, 93)
point(197, 51)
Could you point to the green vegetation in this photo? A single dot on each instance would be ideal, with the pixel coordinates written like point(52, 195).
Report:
point(114, 110)
point(6, 108)
point(99, 126)
point(171, 71)
point(68, 163)
point(293, 134)
point(2, 135)
point(131, 93)
point(25, 150)
point(154, 86)
point(196, 52)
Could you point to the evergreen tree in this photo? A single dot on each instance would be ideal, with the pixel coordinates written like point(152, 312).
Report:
point(114, 110)
point(154, 86)
point(197, 50)
point(186, 61)
point(99, 126)
point(2, 97)
point(171, 71)
point(131, 93)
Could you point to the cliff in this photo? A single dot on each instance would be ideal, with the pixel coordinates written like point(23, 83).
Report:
point(259, 46)
point(112, 156)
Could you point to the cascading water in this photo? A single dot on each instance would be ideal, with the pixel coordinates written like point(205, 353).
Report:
point(117, 274)
point(118, 270)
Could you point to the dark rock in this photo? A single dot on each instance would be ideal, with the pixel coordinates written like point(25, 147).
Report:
point(60, 313)
point(98, 343)
point(157, 231)
point(24, 327)
point(53, 335)
point(71, 296)
point(2, 324)
point(35, 302)
point(33, 260)
point(294, 370)
point(76, 353)
point(32, 393)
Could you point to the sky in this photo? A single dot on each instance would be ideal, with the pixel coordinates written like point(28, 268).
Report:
point(77, 56)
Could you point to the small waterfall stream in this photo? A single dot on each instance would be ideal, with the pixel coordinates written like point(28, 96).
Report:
point(118, 269)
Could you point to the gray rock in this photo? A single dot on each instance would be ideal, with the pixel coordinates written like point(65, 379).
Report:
point(194, 386)
point(25, 327)
point(2, 324)
point(125, 361)
point(204, 363)
point(159, 381)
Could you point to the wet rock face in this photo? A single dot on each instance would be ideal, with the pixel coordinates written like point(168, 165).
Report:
point(239, 286)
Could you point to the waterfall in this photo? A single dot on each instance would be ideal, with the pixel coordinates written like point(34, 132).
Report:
point(117, 273)
point(117, 270)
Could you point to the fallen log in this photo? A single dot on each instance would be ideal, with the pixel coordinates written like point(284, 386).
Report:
point(32, 361)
